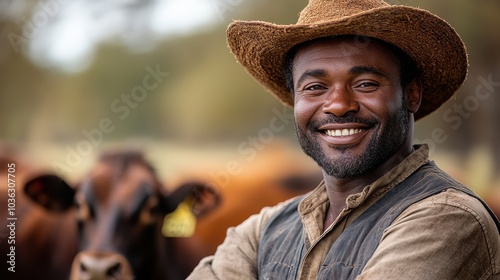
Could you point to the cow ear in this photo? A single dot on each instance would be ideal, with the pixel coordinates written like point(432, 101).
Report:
point(51, 192)
point(201, 197)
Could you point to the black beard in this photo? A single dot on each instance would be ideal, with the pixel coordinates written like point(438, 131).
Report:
point(380, 147)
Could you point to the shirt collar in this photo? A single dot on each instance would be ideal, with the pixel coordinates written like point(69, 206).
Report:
point(400, 172)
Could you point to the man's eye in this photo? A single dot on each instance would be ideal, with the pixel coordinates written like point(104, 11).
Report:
point(314, 88)
point(367, 86)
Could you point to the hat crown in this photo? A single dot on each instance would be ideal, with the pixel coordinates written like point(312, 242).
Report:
point(318, 11)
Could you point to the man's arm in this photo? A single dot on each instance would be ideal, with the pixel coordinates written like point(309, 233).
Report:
point(447, 236)
point(236, 257)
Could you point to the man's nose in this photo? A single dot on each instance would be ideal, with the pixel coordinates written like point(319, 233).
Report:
point(340, 101)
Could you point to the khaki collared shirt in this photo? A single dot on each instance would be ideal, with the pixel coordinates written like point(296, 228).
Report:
point(450, 229)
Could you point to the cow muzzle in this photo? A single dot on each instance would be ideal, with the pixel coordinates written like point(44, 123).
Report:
point(100, 266)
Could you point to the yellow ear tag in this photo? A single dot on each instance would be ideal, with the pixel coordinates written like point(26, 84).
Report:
point(181, 222)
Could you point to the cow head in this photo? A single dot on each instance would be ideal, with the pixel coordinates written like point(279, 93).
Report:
point(120, 207)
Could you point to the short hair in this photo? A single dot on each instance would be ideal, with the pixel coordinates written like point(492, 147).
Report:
point(408, 69)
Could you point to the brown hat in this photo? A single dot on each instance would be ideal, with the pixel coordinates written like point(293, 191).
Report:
point(434, 45)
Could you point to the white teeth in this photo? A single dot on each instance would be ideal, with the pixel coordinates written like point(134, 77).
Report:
point(343, 132)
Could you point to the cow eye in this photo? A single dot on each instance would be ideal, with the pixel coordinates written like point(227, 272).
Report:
point(144, 203)
point(153, 206)
point(149, 211)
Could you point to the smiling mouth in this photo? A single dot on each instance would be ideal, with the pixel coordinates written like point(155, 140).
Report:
point(343, 132)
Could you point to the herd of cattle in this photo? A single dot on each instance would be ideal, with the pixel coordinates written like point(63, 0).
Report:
point(109, 225)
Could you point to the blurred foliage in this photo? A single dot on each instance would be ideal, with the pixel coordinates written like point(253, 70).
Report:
point(207, 97)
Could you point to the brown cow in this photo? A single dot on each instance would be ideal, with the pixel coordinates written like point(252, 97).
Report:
point(38, 234)
point(120, 206)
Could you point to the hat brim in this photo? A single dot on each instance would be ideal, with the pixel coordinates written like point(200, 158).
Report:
point(260, 47)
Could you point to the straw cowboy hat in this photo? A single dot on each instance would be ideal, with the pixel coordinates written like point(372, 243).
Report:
point(434, 45)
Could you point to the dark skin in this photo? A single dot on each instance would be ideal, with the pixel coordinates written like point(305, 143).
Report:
point(335, 78)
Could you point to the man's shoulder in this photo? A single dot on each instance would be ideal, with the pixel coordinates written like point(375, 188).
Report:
point(459, 214)
point(456, 198)
point(458, 202)
point(455, 194)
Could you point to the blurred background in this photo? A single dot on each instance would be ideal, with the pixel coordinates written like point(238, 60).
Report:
point(82, 76)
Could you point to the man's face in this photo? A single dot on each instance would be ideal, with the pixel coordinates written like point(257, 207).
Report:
point(350, 111)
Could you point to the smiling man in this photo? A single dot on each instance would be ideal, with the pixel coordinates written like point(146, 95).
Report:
point(352, 115)
point(358, 73)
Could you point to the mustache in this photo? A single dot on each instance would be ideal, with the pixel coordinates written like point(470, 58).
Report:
point(331, 119)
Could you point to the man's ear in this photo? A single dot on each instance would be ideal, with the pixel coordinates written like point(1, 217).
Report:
point(413, 94)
